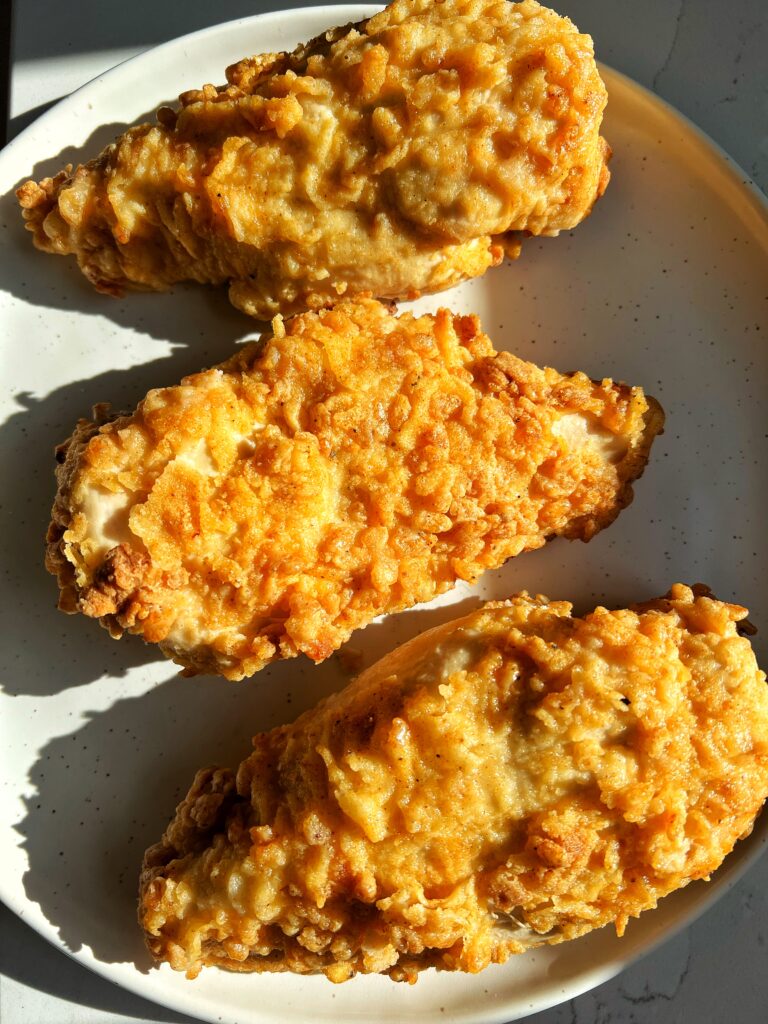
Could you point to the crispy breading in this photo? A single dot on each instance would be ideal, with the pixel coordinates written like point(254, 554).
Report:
point(354, 464)
point(387, 158)
point(513, 778)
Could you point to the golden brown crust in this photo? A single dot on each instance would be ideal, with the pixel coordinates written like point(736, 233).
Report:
point(516, 777)
point(392, 157)
point(355, 464)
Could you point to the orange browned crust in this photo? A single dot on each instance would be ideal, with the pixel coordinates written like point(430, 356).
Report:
point(513, 778)
point(392, 157)
point(354, 464)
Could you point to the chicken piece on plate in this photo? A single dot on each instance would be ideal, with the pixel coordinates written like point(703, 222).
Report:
point(356, 463)
point(513, 778)
point(390, 157)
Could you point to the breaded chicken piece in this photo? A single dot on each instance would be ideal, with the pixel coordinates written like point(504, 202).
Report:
point(386, 158)
point(513, 778)
point(354, 464)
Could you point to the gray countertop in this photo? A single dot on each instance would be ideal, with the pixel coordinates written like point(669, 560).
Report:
point(708, 60)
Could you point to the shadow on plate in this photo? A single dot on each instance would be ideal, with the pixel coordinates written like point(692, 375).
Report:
point(17, 124)
point(33, 962)
point(99, 138)
point(106, 790)
point(54, 282)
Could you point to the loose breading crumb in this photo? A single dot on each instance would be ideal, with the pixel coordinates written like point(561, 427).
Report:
point(358, 464)
point(392, 157)
point(513, 778)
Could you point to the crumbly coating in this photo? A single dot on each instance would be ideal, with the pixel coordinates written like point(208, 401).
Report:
point(513, 778)
point(388, 157)
point(356, 463)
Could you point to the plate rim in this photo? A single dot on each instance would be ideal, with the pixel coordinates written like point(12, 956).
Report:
point(751, 849)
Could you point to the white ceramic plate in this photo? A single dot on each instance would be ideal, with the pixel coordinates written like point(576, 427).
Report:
point(663, 286)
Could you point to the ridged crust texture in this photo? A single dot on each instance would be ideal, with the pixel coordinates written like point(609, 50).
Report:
point(513, 778)
point(353, 464)
point(392, 157)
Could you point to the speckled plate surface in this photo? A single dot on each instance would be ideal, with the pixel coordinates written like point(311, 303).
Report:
point(664, 286)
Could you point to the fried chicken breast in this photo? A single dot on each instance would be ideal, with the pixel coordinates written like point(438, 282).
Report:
point(389, 158)
point(512, 778)
point(355, 463)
